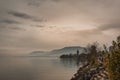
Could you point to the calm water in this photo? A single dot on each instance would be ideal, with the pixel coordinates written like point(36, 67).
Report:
point(36, 68)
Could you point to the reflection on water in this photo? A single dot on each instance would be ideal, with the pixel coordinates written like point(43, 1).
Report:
point(69, 62)
point(36, 68)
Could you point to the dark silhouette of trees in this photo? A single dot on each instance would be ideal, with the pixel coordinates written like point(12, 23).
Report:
point(93, 51)
point(78, 57)
point(114, 60)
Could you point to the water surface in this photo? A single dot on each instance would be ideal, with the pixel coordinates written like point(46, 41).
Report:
point(36, 68)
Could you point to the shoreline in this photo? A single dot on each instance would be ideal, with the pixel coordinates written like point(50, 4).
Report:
point(88, 72)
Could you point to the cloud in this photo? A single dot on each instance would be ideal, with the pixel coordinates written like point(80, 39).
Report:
point(99, 30)
point(115, 26)
point(35, 3)
point(20, 15)
point(99, 18)
point(10, 24)
point(26, 16)
point(43, 26)
point(39, 20)
point(17, 28)
point(52, 26)
point(56, 0)
point(9, 21)
point(2, 28)
point(38, 3)
point(85, 33)
point(39, 26)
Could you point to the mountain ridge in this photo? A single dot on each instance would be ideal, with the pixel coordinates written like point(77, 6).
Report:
point(64, 50)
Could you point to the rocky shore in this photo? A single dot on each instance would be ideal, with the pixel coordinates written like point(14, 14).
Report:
point(88, 72)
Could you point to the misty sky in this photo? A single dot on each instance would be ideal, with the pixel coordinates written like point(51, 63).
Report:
point(28, 25)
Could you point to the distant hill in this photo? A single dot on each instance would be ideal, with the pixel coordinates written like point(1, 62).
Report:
point(58, 52)
point(68, 50)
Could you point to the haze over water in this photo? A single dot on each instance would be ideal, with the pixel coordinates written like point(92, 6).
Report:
point(36, 68)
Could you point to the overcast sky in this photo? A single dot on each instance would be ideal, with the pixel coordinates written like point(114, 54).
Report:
point(28, 25)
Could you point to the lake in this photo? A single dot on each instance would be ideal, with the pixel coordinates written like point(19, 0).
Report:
point(36, 68)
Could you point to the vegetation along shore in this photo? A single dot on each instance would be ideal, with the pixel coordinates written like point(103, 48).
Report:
point(100, 64)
